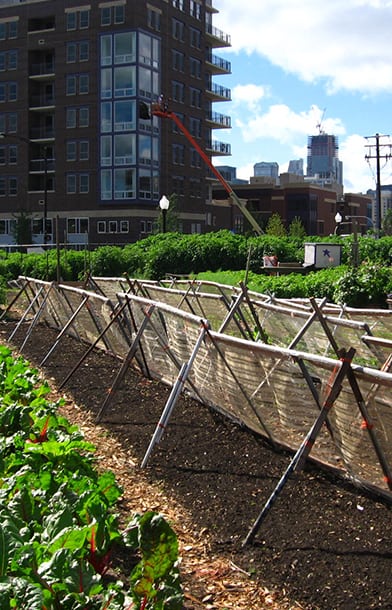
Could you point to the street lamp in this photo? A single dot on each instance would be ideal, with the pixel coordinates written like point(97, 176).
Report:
point(164, 205)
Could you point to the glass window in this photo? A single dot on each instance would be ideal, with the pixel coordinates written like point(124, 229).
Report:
point(145, 85)
point(119, 14)
point(71, 151)
point(13, 29)
point(71, 118)
point(2, 122)
point(12, 122)
point(70, 88)
point(2, 155)
point(12, 60)
point(106, 150)
point(195, 36)
point(178, 29)
point(12, 92)
point(84, 183)
point(84, 116)
point(106, 50)
point(124, 226)
point(2, 61)
point(3, 31)
point(124, 81)
point(144, 184)
point(124, 149)
point(3, 227)
point(178, 60)
point(106, 15)
point(195, 67)
point(178, 91)
point(71, 52)
point(2, 92)
point(13, 154)
point(145, 51)
point(83, 50)
point(106, 117)
point(112, 224)
point(84, 19)
point(124, 183)
point(124, 48)
point(124, 116)
point(84, 84)
point(106, 184)
point(83, 225)
point(71, 185)
point(2, 186)
point(101, 226)
point(84, 150)
point(71, 20)
point(106, 83)
point(145, 149)
point(13, 186)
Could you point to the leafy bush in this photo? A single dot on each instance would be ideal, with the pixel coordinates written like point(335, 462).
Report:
point(57, 526)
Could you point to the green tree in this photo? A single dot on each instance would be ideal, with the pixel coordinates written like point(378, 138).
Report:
point(296, 228)
point(22, 228)
point(275, 226)
point(387, 222)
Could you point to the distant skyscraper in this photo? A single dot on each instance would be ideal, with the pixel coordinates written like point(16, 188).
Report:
point(296, 166)
point(264, 168)
point(323, 159)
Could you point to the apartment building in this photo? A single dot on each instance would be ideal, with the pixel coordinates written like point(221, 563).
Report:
point(76, 159)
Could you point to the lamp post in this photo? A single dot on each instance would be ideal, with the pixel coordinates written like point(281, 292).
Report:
point(164, 205)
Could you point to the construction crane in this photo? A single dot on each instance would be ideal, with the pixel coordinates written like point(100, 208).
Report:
point(161, 109)
point(320, 123)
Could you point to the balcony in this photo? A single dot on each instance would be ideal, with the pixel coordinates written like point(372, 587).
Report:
point(210, 8)
point(42, 71)
point(41, 102)
point(37, 166)
point(219, 149)
point(41, 133)
point(219, 121)
point(216, 37)
point(218, 65)
point(216, 93)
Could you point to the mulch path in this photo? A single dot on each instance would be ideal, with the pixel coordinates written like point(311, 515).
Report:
point(323, 546)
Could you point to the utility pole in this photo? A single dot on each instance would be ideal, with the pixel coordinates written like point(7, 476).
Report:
point(378, 156)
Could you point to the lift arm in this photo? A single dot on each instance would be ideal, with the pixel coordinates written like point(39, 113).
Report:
point(162, 112)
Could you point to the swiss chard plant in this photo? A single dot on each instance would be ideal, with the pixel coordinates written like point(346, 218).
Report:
point(58, 528)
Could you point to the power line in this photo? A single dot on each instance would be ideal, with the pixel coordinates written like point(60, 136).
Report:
point(378, 156)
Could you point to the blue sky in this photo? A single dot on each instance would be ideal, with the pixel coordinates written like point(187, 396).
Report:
point(295, 64)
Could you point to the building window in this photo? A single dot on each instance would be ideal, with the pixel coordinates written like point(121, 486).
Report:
point(178, 4)
point(146, 227)
point(71, 184)
point(124, 226)
point(101, 226)
point(12, 122)
point(13, 187)
point(178, 154)
point(178, 60)
point(70, 118)
point(12, 60)
point(106, 15)
point(77, 225)
point(195, 38)
point(112, 226)
point(195, 67)
point(106, 83)
point(13, 154)
point(84, 84)
point(195, 97)
point(154, 19)
point(84, 151)
point(178, 30)
point(124, 183)
point(71, 20)
point(2, 186)
point(71, 52)
point(13, 29)
point(106, 150)
point(84, 19)
point(84, 116)
point(84, 50)
point(71, 151)
point(70, 85)
point(12, 92)
point(178, 91)
point(119, 14)
point(106, 184)
point(84, 184)
point(195, 9)
point(2, 155)
point(195, 127)
point(124, 81)
point(195, 227)
point(124, 48)
point(124, 116)
point(124, 149)
point(106, 117)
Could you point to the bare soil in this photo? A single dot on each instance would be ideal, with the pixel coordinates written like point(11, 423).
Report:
point(323, 545)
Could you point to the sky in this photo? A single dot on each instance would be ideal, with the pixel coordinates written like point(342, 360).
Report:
point(301, 67)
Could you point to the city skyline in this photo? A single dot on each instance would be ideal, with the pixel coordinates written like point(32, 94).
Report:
point(298, 70)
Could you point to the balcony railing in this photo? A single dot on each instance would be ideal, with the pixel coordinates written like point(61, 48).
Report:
point(221, 65)
point(219, 148)
point(218, 92)
point(41, 133)
point(221, 120)
point(41, 101)
point(42, 68)
point(220, 38)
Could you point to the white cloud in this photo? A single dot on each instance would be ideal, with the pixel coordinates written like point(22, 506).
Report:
point(345, 45)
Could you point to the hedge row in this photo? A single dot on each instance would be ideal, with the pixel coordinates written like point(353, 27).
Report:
point(175, 253)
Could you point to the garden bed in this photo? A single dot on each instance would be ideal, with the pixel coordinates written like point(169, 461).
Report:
point(322, 546)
